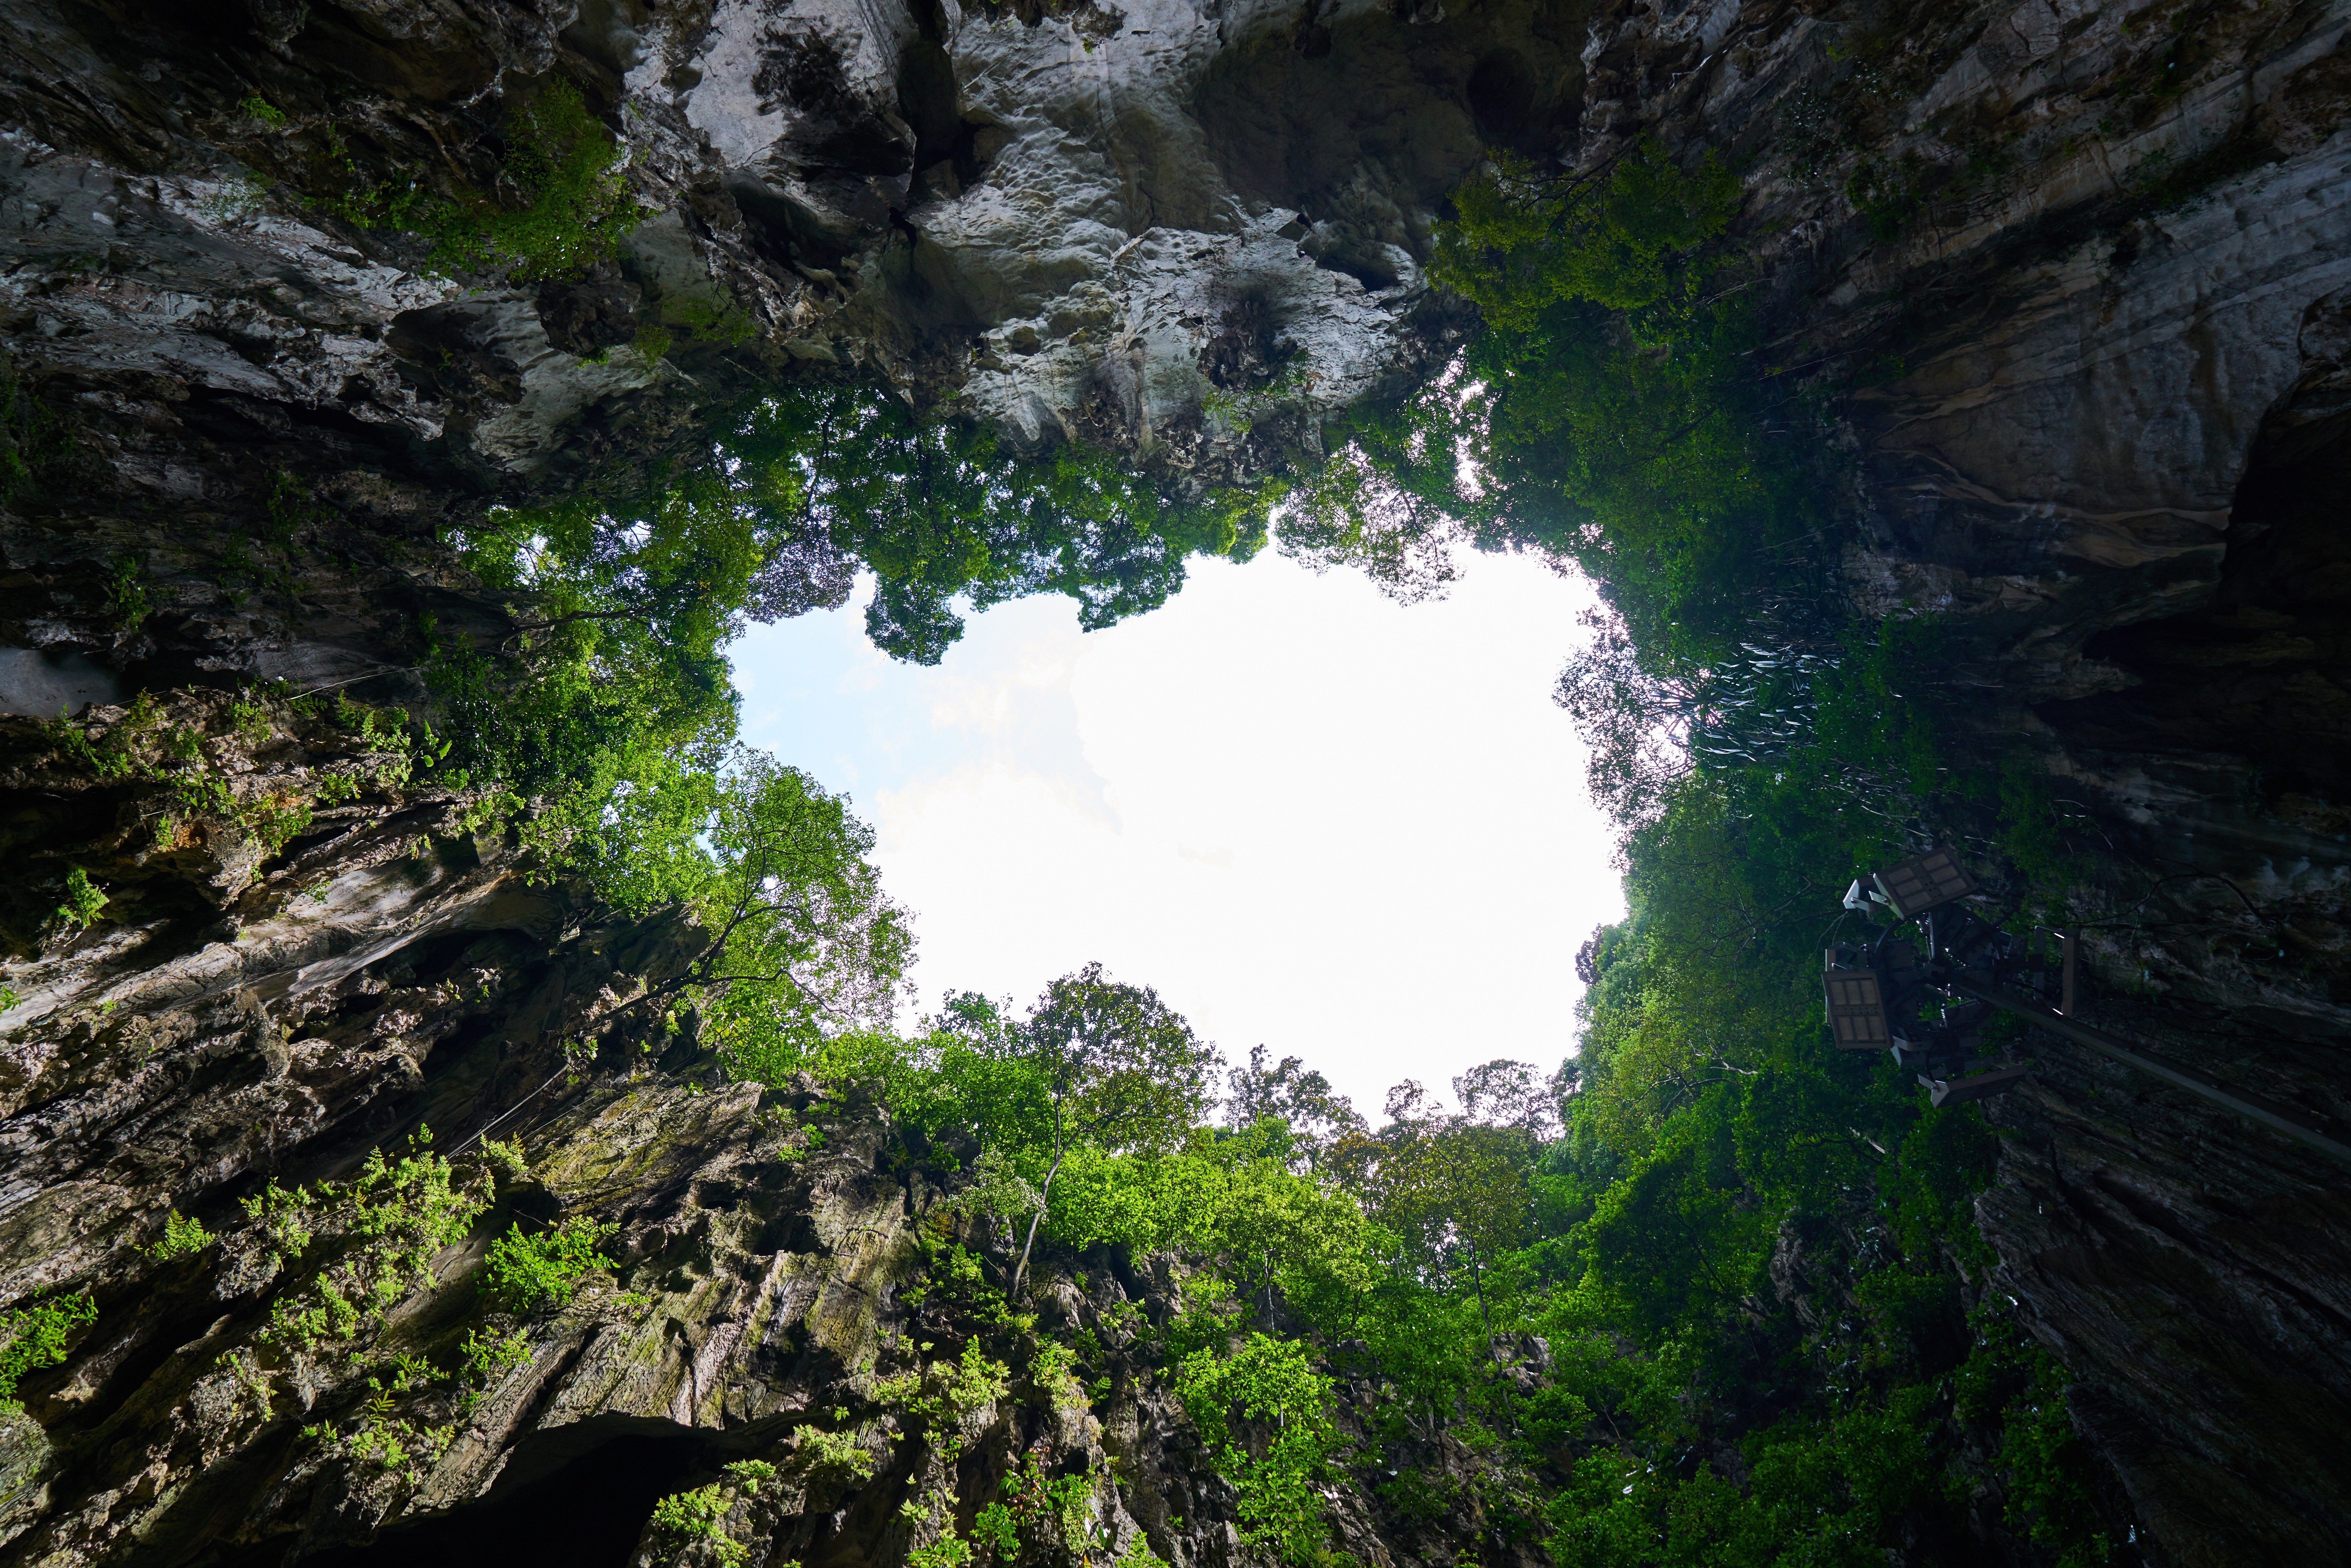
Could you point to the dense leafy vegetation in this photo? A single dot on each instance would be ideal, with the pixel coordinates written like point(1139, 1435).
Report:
point(529, 1270)
point(36, 1336)
point(609, 709)
point(1271, 1383)
point(804, 486)
point(562, 200)
point(938, 512)
point(1770, 1327)
point(1611, 414)
point(1707, 1292)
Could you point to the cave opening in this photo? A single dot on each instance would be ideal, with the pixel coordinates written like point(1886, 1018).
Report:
point(1501, 93)
point(585, 1507)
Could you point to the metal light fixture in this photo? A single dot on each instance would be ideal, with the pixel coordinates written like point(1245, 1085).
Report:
point(1856, 1001)
point(1883, 996)
point(1974, 1086)
point(1890, 996)
point(1923, 882)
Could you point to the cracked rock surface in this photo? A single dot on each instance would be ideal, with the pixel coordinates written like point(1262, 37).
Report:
point(314, 963)
point(2090, 268)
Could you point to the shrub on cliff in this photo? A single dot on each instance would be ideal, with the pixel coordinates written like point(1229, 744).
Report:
point(530, 1270)
point(1272, 1384)
point(1606, 413)
point(34, 1337)
point(565, 197)
point(560, 202)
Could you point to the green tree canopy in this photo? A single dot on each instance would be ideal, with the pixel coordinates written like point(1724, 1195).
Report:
point(1609, 413)
point(799, 941)
point(1297, 1107)
point(1121, 1069)
point(939, 511)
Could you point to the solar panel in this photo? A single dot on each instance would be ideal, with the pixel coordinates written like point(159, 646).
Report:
point(1924, 881)
point(1856, 1005)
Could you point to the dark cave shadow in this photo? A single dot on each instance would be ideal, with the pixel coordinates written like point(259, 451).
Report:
point(2262, 671)
point(578, 1496)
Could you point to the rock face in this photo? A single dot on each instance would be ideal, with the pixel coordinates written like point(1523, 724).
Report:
point(1189, 234)
point(244, 1047)
point(2100, 257)
point(2112, 461)
point(2093, 262)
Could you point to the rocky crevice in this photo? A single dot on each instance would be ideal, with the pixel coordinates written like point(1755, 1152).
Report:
point(2084, 266)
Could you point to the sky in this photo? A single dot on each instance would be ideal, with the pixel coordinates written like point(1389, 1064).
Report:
point(1353, 832)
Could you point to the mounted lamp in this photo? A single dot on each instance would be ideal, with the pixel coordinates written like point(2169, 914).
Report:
point(1889, 996)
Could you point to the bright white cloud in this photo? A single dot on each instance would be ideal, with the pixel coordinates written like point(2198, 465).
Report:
point(1353, 831)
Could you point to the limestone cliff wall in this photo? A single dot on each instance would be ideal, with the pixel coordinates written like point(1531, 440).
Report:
point(244, 1032)
point(2112, 457)
point(2093, 258)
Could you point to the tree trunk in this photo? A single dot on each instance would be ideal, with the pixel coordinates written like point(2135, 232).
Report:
point(1044, 1198)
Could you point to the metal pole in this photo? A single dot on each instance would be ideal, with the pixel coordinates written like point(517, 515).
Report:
point(2268, 1112)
